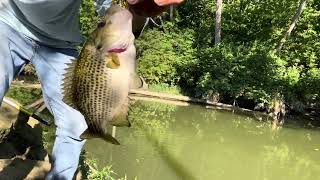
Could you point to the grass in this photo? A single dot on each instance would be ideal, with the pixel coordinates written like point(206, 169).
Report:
point(89, 169)
point(165, 88)
point(24, 95)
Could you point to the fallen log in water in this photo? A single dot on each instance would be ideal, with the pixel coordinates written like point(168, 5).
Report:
point(149, 94)
point(172, 97)
point(179, 99)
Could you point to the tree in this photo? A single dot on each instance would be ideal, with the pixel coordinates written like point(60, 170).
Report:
point(293, 24)
point(217, 38)
point(171, 12)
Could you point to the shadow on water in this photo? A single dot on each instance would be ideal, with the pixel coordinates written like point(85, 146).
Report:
point(178, 168)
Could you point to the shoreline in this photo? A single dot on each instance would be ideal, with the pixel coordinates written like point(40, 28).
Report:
point(165, 98)
point(178, 100)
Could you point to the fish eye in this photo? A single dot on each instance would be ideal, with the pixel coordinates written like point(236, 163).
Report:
point(101, 24)
point(99, 47)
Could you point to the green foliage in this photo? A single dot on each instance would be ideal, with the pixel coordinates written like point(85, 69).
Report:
point(165, 88)
point(245, 65)
point(105, 173)
point(235, 71)
point(89, 169)
point(24, 95)
point(88, 17)
point(162, 54)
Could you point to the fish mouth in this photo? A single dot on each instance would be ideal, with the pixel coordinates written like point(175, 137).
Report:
point(117, 50)
point(111, 56)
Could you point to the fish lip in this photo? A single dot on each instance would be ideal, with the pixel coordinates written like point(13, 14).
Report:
point(117, 50)
point(113, 49)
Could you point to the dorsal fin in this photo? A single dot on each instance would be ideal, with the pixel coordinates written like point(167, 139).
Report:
point(67, 85)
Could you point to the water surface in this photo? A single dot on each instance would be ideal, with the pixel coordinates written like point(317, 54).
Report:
point(168, 142)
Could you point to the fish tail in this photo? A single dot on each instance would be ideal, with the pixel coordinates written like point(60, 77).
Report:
point(107, 137)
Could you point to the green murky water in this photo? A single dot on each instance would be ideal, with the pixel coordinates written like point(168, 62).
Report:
point(168, 142)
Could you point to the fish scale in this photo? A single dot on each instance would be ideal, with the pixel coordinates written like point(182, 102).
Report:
point(97, 77)
point(97, 84)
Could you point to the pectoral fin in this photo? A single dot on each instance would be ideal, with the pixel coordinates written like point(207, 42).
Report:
point(113, 61)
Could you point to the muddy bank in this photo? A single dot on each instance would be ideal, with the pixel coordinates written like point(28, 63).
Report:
point(22, 154)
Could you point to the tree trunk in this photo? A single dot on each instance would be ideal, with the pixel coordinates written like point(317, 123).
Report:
point(217, 38)
point(294, 20)
point(171, 12)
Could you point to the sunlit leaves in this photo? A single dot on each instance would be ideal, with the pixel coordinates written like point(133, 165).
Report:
point(181, 51)
point(245, 63)
point(89, 17)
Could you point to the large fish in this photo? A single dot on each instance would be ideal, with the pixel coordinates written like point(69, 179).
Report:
point(97, 84)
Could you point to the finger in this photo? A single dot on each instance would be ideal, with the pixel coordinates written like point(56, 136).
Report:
point(167, 2)
point(133, 1)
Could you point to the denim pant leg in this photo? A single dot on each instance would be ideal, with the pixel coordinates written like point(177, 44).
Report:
point(14, 52)
point(50, 64)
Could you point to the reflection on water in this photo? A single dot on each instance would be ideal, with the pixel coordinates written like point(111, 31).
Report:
point(168, 142)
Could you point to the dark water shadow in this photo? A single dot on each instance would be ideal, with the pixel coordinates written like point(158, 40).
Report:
point(173, 163)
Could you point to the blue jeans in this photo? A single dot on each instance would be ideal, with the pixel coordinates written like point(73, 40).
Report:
point(15, 51)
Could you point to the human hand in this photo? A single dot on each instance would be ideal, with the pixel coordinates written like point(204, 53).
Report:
point(158, 2)
point(150, 8)
point(167, 2)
